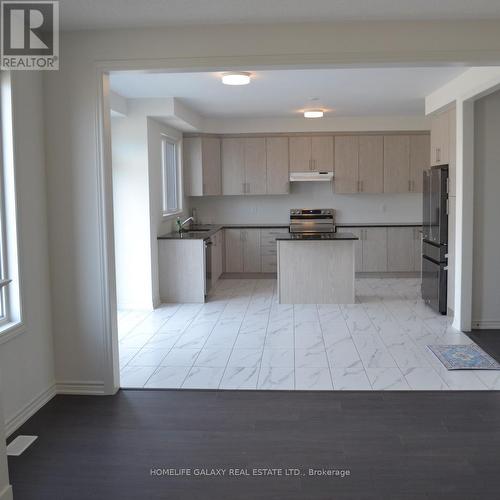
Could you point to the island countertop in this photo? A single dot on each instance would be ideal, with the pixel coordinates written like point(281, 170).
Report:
point(316, 237)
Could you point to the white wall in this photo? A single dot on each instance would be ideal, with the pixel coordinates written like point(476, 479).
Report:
point(275, 209)
point(475, 83)
point(26, 360)
point(486, 268)
point(80, 320)
point(136, 143)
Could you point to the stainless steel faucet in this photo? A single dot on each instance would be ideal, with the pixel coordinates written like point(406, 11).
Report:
point(180, 224)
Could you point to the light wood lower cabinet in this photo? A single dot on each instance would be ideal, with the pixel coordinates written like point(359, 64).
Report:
point(269, 248)
point(417, 246)
point(358, 246)
point(243, 250)
point(217, 255)
point(234, 251)
point(400, 248)
point(374, 249)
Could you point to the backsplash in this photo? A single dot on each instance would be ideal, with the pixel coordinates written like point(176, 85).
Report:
point(349, 208)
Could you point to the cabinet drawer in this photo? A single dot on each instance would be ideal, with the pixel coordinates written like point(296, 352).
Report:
point(269, 264)
point(269, 250)
point(273, 232)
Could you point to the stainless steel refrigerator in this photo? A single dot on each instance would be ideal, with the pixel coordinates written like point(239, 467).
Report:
point(435, 238)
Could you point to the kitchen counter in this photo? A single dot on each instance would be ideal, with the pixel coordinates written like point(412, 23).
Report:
point(317, 237)
point(378, 224)
point(206, 231)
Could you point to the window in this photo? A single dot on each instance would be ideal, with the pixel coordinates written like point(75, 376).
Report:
point(171, 182)
point(10, 297)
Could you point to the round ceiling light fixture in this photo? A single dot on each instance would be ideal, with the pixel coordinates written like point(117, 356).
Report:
point(241, 78)
point(314, 113)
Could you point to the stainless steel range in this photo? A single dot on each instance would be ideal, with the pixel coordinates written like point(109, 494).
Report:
point(312, 220)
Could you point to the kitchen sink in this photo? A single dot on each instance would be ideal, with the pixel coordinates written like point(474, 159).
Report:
point(196, 230)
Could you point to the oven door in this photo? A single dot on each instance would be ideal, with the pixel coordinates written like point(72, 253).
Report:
point(434, 284)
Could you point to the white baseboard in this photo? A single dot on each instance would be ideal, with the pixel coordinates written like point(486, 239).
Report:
point(28, 411)
point(77, 387)
point(6, 494)
point(486, 324)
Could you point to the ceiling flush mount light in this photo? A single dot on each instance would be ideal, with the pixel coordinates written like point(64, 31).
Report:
point(242, 78)
point(313, 113)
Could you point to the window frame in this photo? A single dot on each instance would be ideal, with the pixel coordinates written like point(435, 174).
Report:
point(166, 213)
point(12, 322)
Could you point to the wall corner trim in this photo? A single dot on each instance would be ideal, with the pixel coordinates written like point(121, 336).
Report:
point(25, 413)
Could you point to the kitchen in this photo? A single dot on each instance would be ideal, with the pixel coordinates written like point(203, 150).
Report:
point(304, 251)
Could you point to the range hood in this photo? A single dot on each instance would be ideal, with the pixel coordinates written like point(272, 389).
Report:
point(310, 176)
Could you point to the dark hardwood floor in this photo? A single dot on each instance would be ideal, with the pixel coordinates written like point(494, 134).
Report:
point(488, 341)
point(397, 445)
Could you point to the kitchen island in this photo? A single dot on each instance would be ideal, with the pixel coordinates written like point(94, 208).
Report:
point(316, 268)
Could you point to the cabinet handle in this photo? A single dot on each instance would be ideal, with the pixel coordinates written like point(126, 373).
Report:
point(409, 186)
point(361, 186)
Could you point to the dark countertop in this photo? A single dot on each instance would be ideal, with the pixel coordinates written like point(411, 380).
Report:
point(378, 224)
point(208, 230)
point(317, 237)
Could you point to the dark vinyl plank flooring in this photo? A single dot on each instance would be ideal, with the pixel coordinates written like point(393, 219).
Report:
point(397, 445)
point(488, 341)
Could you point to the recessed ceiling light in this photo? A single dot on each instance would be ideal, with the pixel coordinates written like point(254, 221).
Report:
point(313, 113)
point(242, 78)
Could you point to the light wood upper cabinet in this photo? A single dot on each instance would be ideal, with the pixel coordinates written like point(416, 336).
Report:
point(452, 133)
point(396, 164)
point(322, 153)
point(202, 164)
point(346, 164)
point(255, 166)
point(371, 164)
point(440, 130)
point(300, 154)
point(311, 153)
point(233, 166)
point(419, 161)
point(278, 176)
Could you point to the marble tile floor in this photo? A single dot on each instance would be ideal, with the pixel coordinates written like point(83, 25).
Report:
point(243, 339)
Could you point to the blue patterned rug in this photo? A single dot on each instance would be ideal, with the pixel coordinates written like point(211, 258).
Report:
point(464, 357)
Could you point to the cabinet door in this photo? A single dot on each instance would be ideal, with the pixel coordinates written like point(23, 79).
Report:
point(251, 250)
point(300, 154)
point(417, 251)
point(419, 161)
point(400, 249)
point(346, 164)
point(374, 249)
point(278, 177)
point(371, 164)
point(192, 165)
point(211, 166)
point(396, 163)
point(358, 246)
point(322, 153)
point(443, 138)
point(255, 165)
point(233, 166)
point(234, 251)
point(452, 147)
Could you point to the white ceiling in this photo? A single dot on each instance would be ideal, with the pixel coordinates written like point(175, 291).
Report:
point(95, 14)
point(284, 93)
